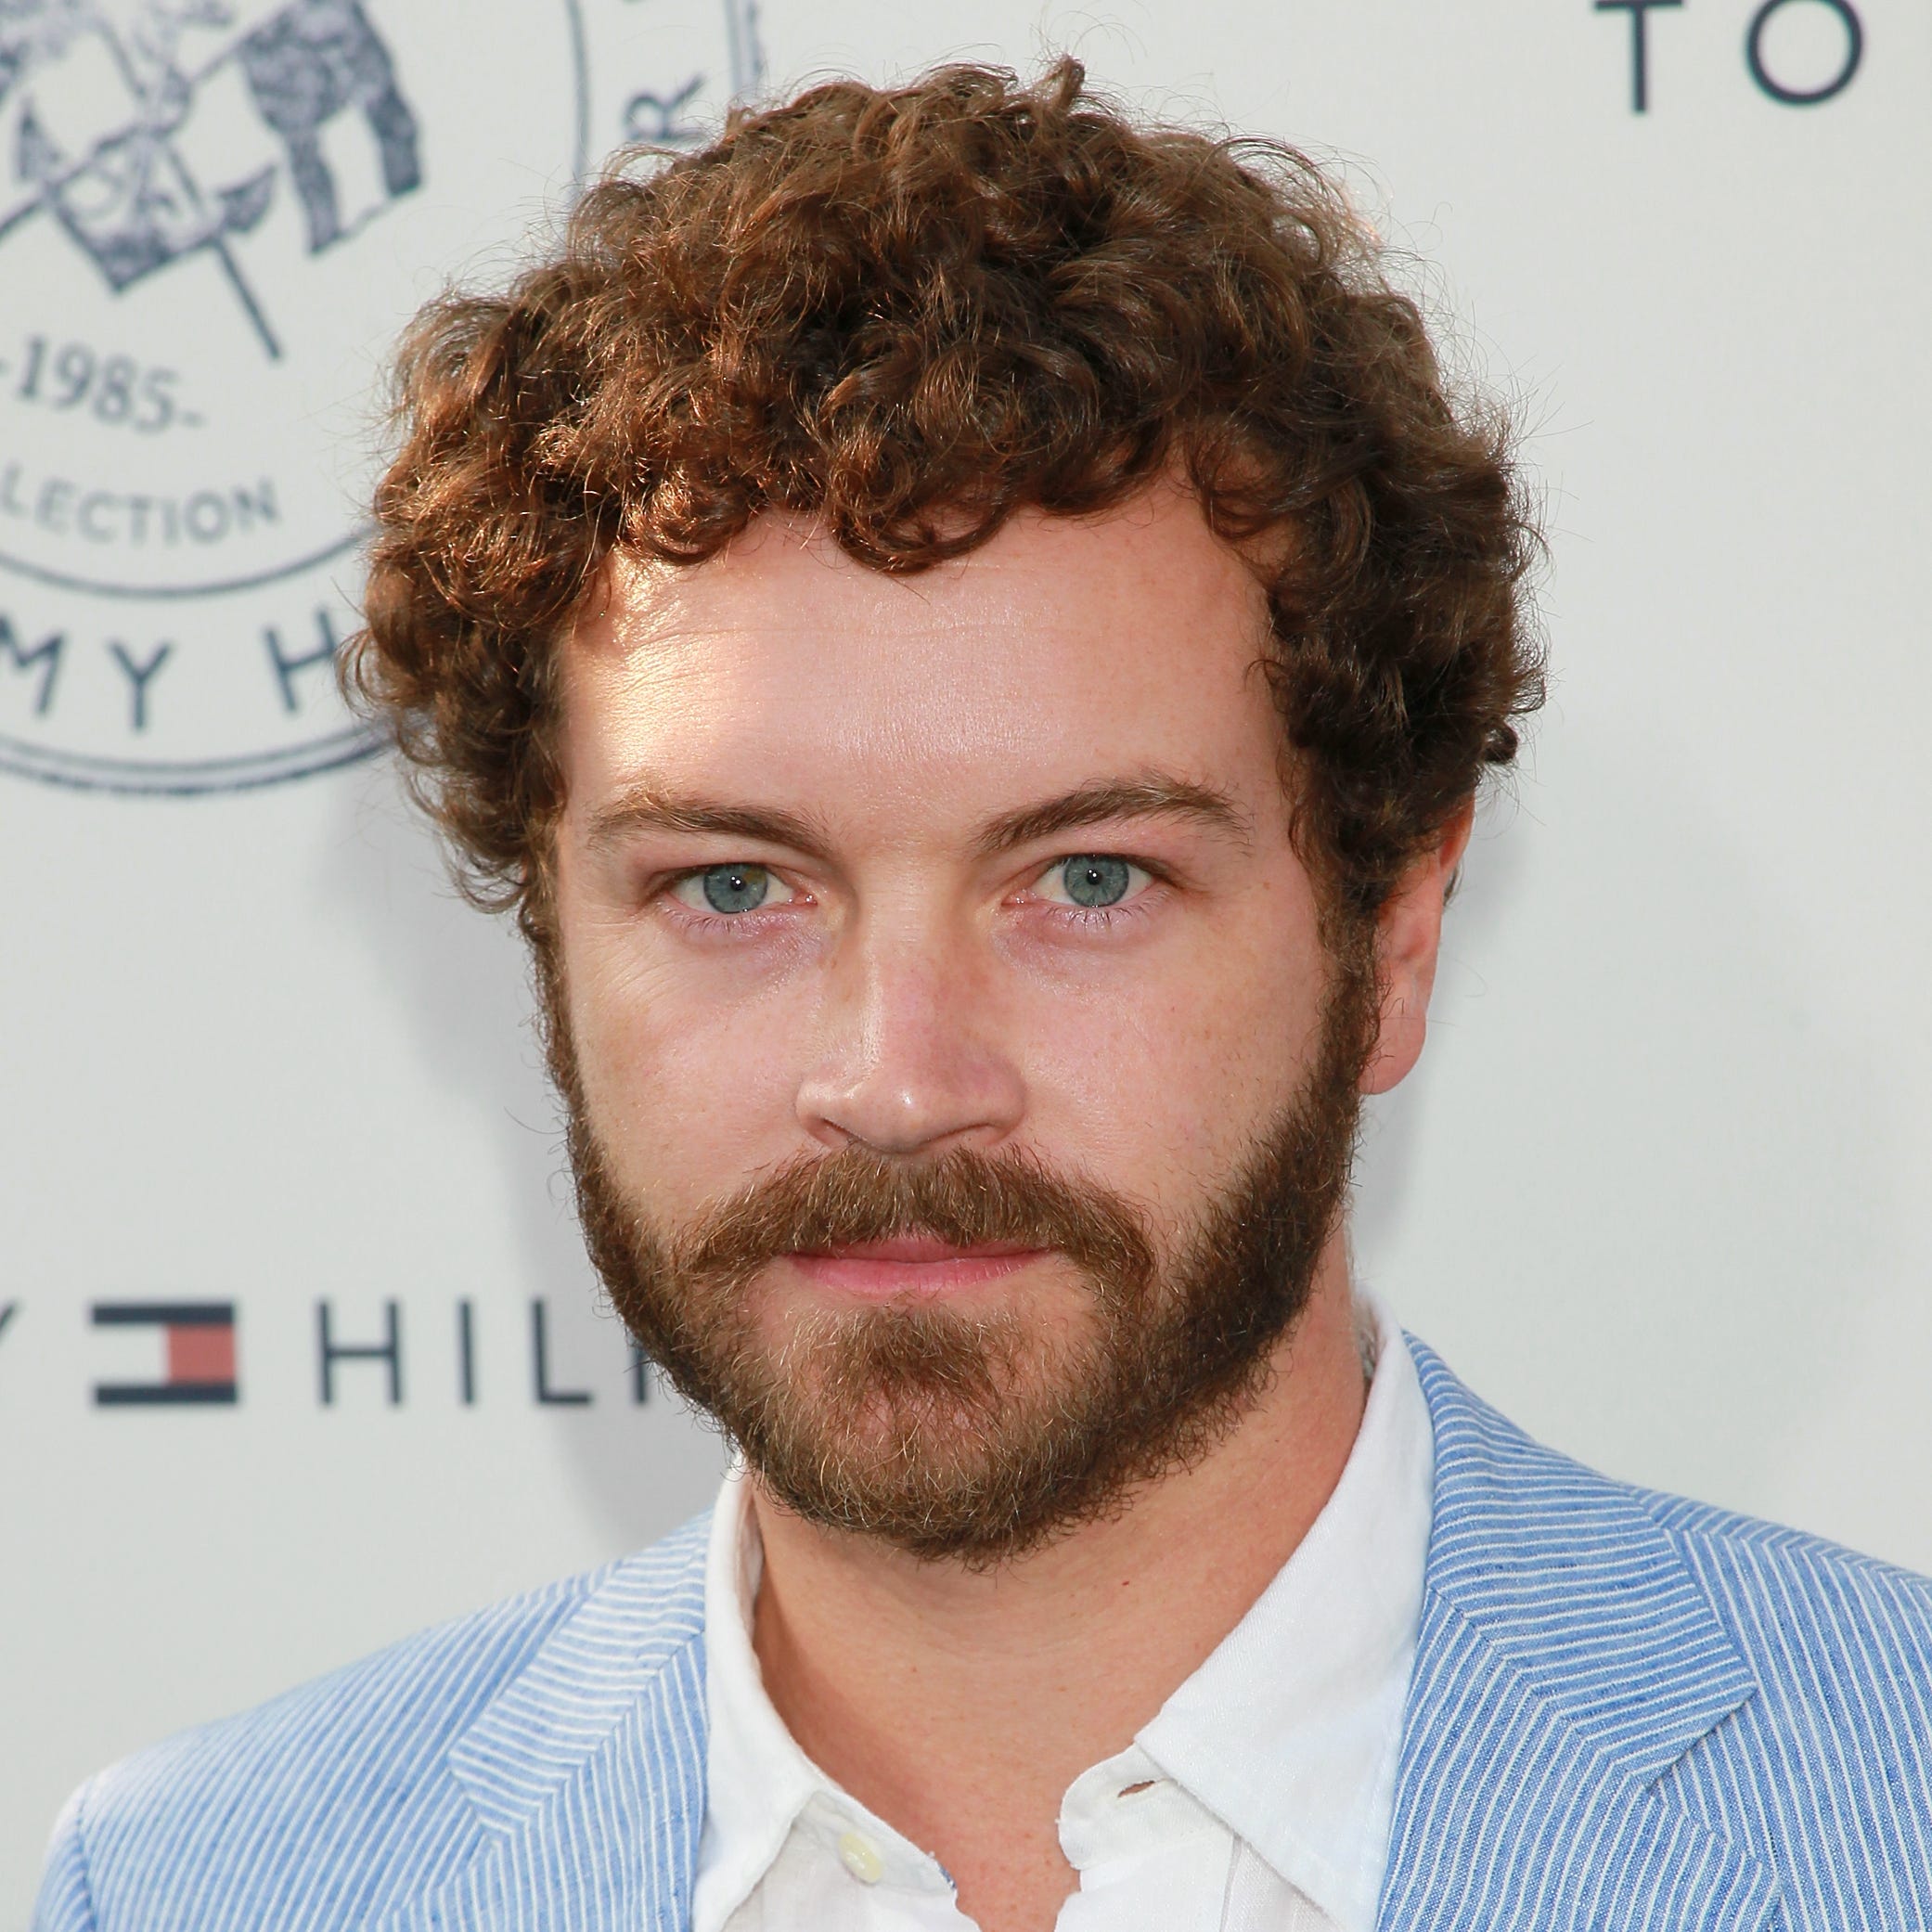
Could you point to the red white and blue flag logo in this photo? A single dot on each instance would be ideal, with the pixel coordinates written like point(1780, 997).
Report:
point(196, 1353)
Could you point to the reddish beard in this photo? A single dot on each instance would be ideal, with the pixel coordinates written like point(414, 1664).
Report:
point(979, 1436)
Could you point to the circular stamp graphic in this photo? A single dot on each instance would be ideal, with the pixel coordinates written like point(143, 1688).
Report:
point(214, 217)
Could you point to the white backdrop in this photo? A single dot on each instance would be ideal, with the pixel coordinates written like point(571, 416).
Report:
point(1660, 1187)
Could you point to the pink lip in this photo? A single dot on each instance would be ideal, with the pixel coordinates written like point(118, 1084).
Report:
point(910, 1265)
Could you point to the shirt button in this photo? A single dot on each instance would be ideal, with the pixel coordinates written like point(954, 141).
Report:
point(860, 1857)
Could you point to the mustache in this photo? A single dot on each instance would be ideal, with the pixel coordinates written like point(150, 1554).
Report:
point(963, 1198)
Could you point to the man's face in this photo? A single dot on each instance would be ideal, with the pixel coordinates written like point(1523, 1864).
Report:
point(962, 1093)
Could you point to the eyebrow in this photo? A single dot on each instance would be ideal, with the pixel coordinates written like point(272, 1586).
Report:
point(647, 807)
point(1151, 796)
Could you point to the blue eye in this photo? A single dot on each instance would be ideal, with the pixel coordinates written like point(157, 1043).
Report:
point(735, 888)
point(1094, 882)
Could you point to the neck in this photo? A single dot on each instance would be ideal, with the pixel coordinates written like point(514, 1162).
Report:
point(959, 1705)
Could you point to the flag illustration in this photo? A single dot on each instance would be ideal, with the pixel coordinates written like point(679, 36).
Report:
point(102, 102)
point(198, 1353)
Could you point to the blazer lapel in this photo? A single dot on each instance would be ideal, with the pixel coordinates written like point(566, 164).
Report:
point(1567, 1659)
point(585, 1775)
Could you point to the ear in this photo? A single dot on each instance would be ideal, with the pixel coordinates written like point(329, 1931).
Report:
point(1407, 935)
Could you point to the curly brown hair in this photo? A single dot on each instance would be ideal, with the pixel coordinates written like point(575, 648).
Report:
point(908, 313)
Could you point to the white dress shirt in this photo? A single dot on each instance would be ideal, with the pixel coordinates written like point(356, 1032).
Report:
point(1258, 1799)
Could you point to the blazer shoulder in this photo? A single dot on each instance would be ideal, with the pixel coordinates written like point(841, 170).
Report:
point(346, 1795)
point(1801, 1606)
point(1519, 1503)
point(1825, 1772)
point(1781, 1685)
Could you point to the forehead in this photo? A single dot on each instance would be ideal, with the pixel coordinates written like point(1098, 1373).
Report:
point(1061, 650)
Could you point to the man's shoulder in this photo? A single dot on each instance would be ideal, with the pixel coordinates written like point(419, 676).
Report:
point(1821, 1622)
point(1825, 1766)
point(1747, 1695)
point(358, 1791)
point(1506, 1499)
point(1507, 1494)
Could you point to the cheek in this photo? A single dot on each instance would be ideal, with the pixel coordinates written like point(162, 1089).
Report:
point(688, 1084)
point(1160, 1083)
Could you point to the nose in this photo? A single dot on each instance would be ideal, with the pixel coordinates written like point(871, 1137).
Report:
point(909, 1059)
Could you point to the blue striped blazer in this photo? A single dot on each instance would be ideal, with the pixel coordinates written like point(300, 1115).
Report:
point(1628, 1711)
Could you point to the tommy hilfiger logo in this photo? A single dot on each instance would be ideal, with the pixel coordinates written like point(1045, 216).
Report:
point(196, 1353)
point(186, 1354)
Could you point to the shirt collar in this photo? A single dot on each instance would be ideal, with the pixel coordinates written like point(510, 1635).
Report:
point(1289, 1733)
point(1291, 1730)
point(761, 1785)
point(758, 1781)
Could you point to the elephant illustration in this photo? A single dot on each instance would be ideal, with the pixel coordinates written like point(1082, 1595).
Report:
point(305, 65)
